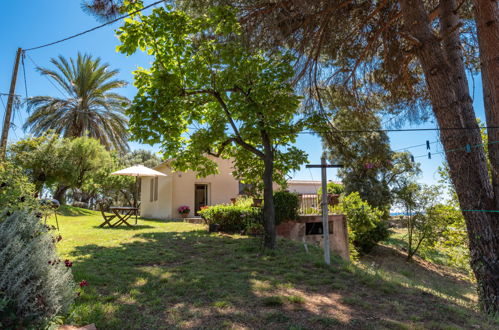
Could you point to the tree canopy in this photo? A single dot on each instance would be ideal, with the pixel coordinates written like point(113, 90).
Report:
point(207, 93)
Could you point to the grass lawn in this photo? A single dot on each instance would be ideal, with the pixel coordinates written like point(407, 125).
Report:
point(164, 275)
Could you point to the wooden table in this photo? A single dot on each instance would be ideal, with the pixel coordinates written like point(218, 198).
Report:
point(123, 213)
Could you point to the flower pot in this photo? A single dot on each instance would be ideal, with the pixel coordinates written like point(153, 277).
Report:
point(184, 215)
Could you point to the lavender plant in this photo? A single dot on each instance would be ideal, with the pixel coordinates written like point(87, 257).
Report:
point(36, 284)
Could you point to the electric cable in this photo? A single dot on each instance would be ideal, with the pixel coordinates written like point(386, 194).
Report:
point(94, 28)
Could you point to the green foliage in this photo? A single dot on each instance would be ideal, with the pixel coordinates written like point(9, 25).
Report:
point(35, 284)
point(84, 160)
point(286, 206)
point(334, 188)
point(16, 192)
point(426, 222)
point(232, 218)
point(50, 161)
point(244, 201)
point(450, 237)
point(41, 158)
point(364, 223)
point(92, 107)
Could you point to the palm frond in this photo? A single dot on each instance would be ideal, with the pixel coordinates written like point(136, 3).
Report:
point(92, 107)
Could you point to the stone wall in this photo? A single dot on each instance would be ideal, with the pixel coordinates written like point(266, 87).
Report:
point(312, 233)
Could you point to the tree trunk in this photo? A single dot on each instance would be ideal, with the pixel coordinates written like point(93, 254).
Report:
point(487, 22)
point(59, 194)
point(268, 194)
point(452, 107)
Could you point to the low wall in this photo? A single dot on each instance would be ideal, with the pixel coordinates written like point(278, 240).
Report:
point(308, 228)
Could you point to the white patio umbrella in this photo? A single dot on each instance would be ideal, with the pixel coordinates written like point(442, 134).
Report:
point(138, 171)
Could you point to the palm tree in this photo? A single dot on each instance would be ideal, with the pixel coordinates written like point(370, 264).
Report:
point(91, 107)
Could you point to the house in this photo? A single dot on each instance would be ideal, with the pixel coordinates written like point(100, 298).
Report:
point(162, 196)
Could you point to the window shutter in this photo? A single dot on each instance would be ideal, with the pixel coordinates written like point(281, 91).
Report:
point(151, 190)
point(156, 188)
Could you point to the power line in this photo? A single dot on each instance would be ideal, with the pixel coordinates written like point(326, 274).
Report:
point(49, 80)
point(399, 130)
point(418, 145)
point(95, 28)
point(466, 148)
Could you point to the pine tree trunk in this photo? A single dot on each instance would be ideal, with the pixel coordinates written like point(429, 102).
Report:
point(268, 195)
point(487, 22)
point(452, 107)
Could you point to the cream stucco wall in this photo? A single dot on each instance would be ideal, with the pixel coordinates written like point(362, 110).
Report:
point(177, 189)
point(221, 187)
point(303, 187)
point(162, 207)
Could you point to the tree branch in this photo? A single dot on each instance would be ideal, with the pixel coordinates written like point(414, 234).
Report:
point(238, 139)
point(222, 147)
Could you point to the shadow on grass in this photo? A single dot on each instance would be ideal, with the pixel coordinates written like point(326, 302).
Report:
point(199, 280)
point(124, 227)
point(70, 211)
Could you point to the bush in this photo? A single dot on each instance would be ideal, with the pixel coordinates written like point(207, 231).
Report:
point(16, 192)
point(33, 281)
point(333, 188)
point(286, 206)
point(364, 223)
point(232, 218)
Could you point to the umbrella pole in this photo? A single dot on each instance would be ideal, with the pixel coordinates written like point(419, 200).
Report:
point(135, 201)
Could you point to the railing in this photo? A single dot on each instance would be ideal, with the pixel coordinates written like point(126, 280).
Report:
point(311, 203)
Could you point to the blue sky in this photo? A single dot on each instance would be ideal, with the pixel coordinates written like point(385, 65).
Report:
point(30, 23)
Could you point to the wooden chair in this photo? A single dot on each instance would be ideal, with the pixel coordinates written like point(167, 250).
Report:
point(103, 206)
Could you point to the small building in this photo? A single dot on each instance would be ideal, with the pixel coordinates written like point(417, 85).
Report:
point(162, 196)
point(305, 187)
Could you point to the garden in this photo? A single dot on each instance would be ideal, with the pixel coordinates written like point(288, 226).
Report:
point(178, 275)
point(253, 83)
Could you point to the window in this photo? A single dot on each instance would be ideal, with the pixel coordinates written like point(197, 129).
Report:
point(315, 228)
point(245, 188)
point(153, 189)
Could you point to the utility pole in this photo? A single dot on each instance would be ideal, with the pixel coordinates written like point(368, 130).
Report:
point(10, 104)
point(325, 212)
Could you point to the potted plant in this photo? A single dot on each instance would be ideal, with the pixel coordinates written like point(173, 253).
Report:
point(184, 211)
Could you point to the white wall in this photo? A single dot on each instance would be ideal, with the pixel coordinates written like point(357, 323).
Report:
point(221, 187)
point(162, 207)
point(177, 189)
point(305, 187)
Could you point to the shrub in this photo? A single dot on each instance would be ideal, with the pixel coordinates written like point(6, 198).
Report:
point(33, 281)
point(16, 192)
point(244, 201)
point(232, 218)
point(364, 223)
point(333, 188)
point(286, 206)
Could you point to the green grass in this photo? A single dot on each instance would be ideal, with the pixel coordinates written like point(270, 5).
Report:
point(160, 275)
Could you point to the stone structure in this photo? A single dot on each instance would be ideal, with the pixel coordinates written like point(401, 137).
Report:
point(308, 228)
